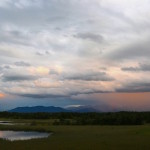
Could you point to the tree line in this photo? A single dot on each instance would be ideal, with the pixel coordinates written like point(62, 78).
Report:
point(111, 118)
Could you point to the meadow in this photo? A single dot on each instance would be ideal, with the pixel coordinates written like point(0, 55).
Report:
point(79, 137)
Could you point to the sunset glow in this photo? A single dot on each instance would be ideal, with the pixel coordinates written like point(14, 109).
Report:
point(2, 95)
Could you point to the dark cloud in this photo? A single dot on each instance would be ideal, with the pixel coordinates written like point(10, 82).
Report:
point(141, 67)
point(40, 54)
point(131, 69)
point(88, 91)
point(88, 76)
point(135, 87)
point(69, 95)
point(5, 67)
point(139, 49)
point(12, 36)
point(15, 78)
point(42, 95)
point(22, 63)
point(90, 36)
point(53, 72)
point(45, 53)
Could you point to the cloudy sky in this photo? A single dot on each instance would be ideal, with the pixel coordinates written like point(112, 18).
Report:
point(75, 52)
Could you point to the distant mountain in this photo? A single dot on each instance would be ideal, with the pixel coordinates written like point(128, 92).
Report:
point(53, 109)
point(35, 109)
point(83, 109)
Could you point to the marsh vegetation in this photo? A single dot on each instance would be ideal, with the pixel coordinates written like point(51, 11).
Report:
point(76, 137)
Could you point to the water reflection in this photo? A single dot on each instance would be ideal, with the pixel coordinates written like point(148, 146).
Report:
point(21, 135)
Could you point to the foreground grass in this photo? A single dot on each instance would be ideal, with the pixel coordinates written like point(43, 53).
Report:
point(82, 138)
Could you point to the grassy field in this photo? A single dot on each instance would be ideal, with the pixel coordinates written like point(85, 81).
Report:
point(80, 137)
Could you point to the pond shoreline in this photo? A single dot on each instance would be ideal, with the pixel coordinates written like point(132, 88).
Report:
point(11, 135)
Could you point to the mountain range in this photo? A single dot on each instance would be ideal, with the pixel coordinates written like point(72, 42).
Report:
point(53, 109)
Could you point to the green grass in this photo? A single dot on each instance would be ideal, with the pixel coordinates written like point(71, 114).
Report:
point(81, 137)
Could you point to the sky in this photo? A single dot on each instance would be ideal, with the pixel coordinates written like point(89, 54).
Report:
point(75, 53)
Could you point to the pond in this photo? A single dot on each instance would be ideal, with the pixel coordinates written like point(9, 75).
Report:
point(11, 123)
point(6, 123)
point(22, 135)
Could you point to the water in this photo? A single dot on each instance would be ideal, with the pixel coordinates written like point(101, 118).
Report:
point(21, 135)
point(11, 123)
point(6, 123)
